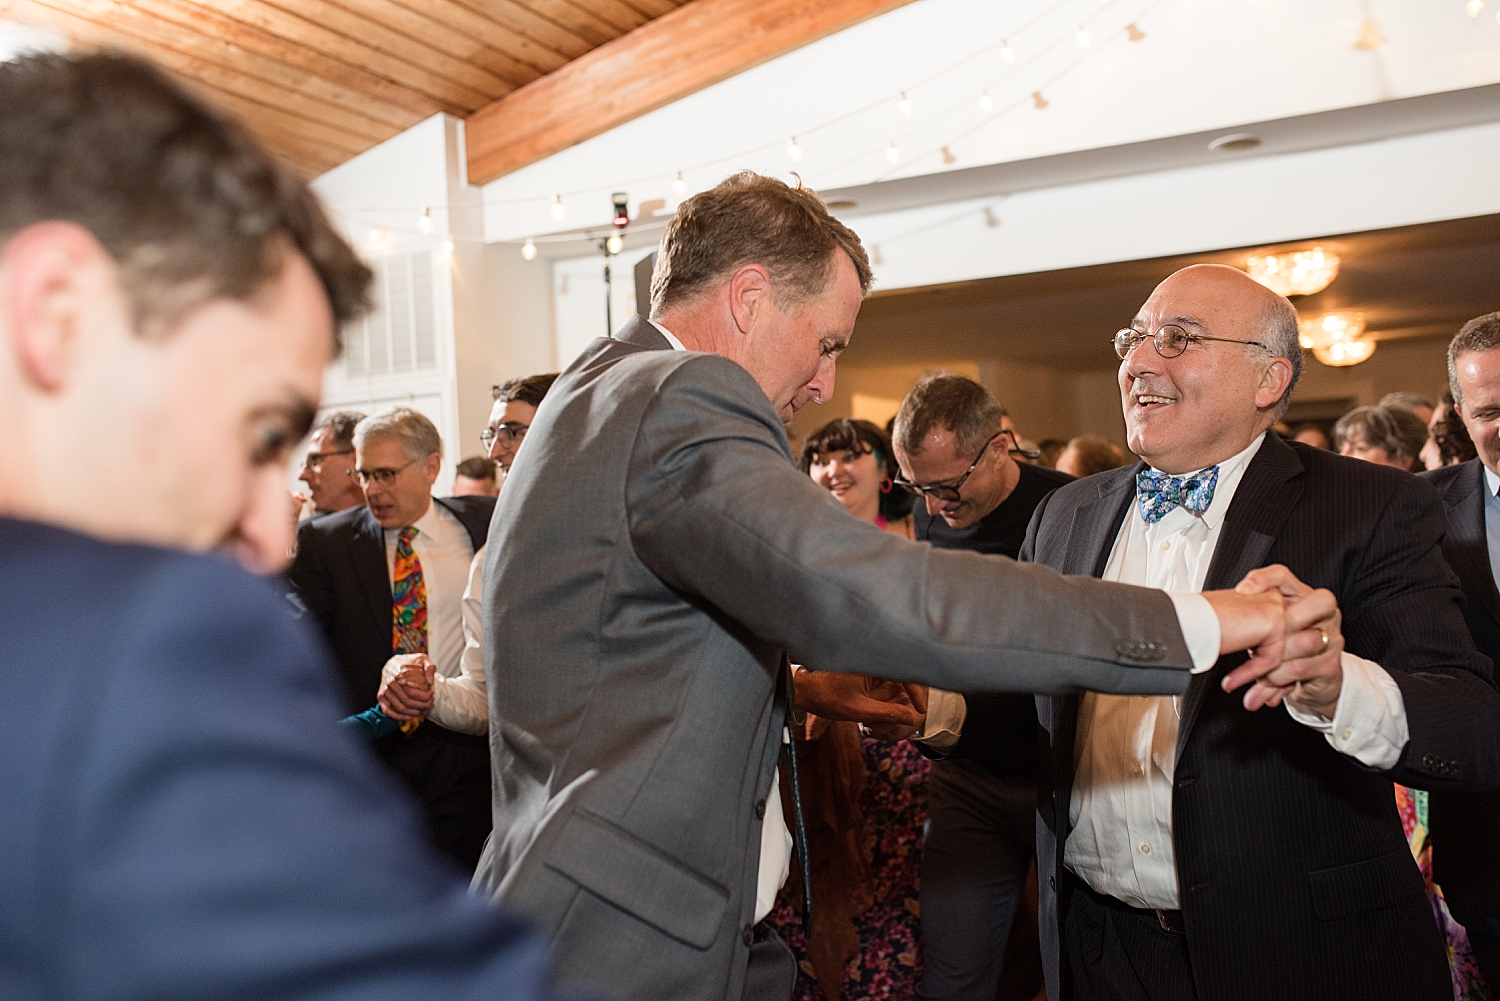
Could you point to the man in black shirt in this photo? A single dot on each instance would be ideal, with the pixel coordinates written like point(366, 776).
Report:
point(955, 453)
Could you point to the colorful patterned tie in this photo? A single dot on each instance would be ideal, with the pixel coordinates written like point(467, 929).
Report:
point(409, 606)
point(1158, 493)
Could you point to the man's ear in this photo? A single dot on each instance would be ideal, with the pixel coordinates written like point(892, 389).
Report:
point(48, 271)
point(749, 293)
point(1274, 379)
point(431, 466)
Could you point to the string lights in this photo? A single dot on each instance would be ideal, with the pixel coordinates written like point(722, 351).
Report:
point(892, 153)
point(1006, 52)
point(904, 105)
point(529, 250)
point(986, 103)
point(1474, 8)
point(559, 210)
point(793, 151)
point(1083, 36)
point(424, 224)
point(679, 186)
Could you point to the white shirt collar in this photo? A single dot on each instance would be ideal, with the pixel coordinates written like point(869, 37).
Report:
point(671, 337)
point(1491, 482)
point(1231, 471)
point(427, 525)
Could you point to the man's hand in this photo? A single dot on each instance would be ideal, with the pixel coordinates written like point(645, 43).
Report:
point(885, 707)
point(1273, 631)
point(1311, 674)
point(406, 686)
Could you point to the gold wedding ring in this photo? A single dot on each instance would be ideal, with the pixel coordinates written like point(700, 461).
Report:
point(1324, 648)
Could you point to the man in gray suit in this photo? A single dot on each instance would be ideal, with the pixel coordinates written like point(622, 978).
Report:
point(655, 559)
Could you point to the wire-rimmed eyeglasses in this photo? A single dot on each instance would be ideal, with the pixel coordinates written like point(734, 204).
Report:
point(1170, 340)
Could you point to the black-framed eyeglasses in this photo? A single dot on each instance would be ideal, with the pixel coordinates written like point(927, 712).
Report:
point(1170, 340)
point(944, 491)
point(509, 433)
point(312, 460)
point(385, 475)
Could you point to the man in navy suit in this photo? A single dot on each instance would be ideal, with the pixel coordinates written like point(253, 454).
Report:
point(1188, 848)
point(1466, 829)
point(183, 818)
point(345, 572)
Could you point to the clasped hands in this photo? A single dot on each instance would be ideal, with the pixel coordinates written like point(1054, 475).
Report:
point(1291, 632)
point(406, 686)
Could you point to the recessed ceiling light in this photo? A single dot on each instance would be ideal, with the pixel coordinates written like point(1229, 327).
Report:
point(1235, 142)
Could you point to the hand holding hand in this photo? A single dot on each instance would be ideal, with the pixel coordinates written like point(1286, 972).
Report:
point(1311, 674)
point(1273, 630)
point(855, 697)
point(406, 686)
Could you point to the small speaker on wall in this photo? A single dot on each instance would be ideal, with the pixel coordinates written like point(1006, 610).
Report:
point(643, 269)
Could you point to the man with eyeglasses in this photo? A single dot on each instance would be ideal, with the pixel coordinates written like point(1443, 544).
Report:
point(956, 454)
point(1188, 848)
point(329, 458)
point(510, 418)
point(386, 582)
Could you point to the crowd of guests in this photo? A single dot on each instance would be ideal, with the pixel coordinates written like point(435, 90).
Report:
point(1213, 723)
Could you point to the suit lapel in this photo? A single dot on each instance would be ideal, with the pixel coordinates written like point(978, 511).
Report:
point(367, 551)
point(640, 332)
point(1467, 546)
point(1095, 524)
point(1265, 497)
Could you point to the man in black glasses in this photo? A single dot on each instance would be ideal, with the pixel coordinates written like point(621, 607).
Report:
point(329, 460)
point(386, 580)
point(1188, 848)
point(515, 406)
point(955, 454)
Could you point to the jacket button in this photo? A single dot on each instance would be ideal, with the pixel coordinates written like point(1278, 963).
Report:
point(1429, 760)
point(760, 809)
point(749, 935)
point(1052, 883)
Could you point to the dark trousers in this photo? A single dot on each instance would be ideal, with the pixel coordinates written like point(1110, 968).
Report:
point(1118, 953)
point(772, 973)
point(1487, 952)
point(450, 775)
point(980, 839)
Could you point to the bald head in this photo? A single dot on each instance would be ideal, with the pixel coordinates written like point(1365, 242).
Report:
point(1197, 408)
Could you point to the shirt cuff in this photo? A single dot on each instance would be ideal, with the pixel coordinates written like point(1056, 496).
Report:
point(1200, 628)
point(1369, 721)
point(944, 725)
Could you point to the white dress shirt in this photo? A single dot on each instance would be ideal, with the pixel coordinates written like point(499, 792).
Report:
point(445, 549)
point(1492, 520)
point(775, 839)
point(1126, 747)
point(461, 702)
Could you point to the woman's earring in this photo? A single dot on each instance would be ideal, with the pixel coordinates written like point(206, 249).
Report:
point(886, 484)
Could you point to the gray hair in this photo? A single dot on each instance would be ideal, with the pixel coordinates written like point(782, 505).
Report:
point(1408, 401)
point(1480, 334)
point(418, 436)
point(342, 423)
point(1396, 430)
point(1280, 333)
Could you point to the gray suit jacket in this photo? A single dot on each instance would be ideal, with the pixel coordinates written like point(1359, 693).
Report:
point(654, 554)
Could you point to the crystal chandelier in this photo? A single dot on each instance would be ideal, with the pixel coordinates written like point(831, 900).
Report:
point(1336, 338)
point(1300, 273)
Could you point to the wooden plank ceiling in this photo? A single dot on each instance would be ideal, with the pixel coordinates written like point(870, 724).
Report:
point(323, 80)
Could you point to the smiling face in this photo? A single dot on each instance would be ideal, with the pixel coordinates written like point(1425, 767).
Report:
point(1210, 402)
point(791, 353)
point(853, 476)
point(1479, 384)
point(942, 461)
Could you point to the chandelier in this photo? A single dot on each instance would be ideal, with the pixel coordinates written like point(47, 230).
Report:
point(1336, 338)
point(1300, 273)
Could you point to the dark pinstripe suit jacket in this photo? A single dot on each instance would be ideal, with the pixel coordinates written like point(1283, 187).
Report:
point(1296, 881)
point(1466, 829)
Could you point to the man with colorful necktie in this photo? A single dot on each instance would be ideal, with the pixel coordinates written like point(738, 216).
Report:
point(387, 579)
point(1188, 848)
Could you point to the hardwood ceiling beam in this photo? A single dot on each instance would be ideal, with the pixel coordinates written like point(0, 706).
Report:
point(516, 44)
point(665, 60)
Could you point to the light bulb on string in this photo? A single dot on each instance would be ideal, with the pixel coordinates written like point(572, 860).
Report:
point(1083, 36)
point(904, 105)
point(614, 244)
point(893, 154)
point(425, 223)
point(559, 210)
point(793, 151)
point(1474, 8)
point(529, 250)
point(1006, 52)
point(679, 186)
point(447, 248)
point(986, 104)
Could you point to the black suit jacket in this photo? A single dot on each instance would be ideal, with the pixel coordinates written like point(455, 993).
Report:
point(1466, 829)
point(340, 574)
point(1296, 880)
point(341, 577)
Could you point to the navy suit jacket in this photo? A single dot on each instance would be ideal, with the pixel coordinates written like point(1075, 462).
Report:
point(1295, 878)
point(1466, 829)
point(183, 817)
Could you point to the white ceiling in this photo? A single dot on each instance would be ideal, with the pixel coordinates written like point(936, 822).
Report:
point(1203, 65)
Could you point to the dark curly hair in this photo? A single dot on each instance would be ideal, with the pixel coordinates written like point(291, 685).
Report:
point(847, 435)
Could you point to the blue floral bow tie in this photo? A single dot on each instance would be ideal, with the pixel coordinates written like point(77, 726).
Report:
point(1158, 493)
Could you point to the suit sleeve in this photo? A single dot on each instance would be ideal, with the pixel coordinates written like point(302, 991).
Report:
point(309, 575)
point(220, 837)
point(1403, 610)
point(718, 511)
